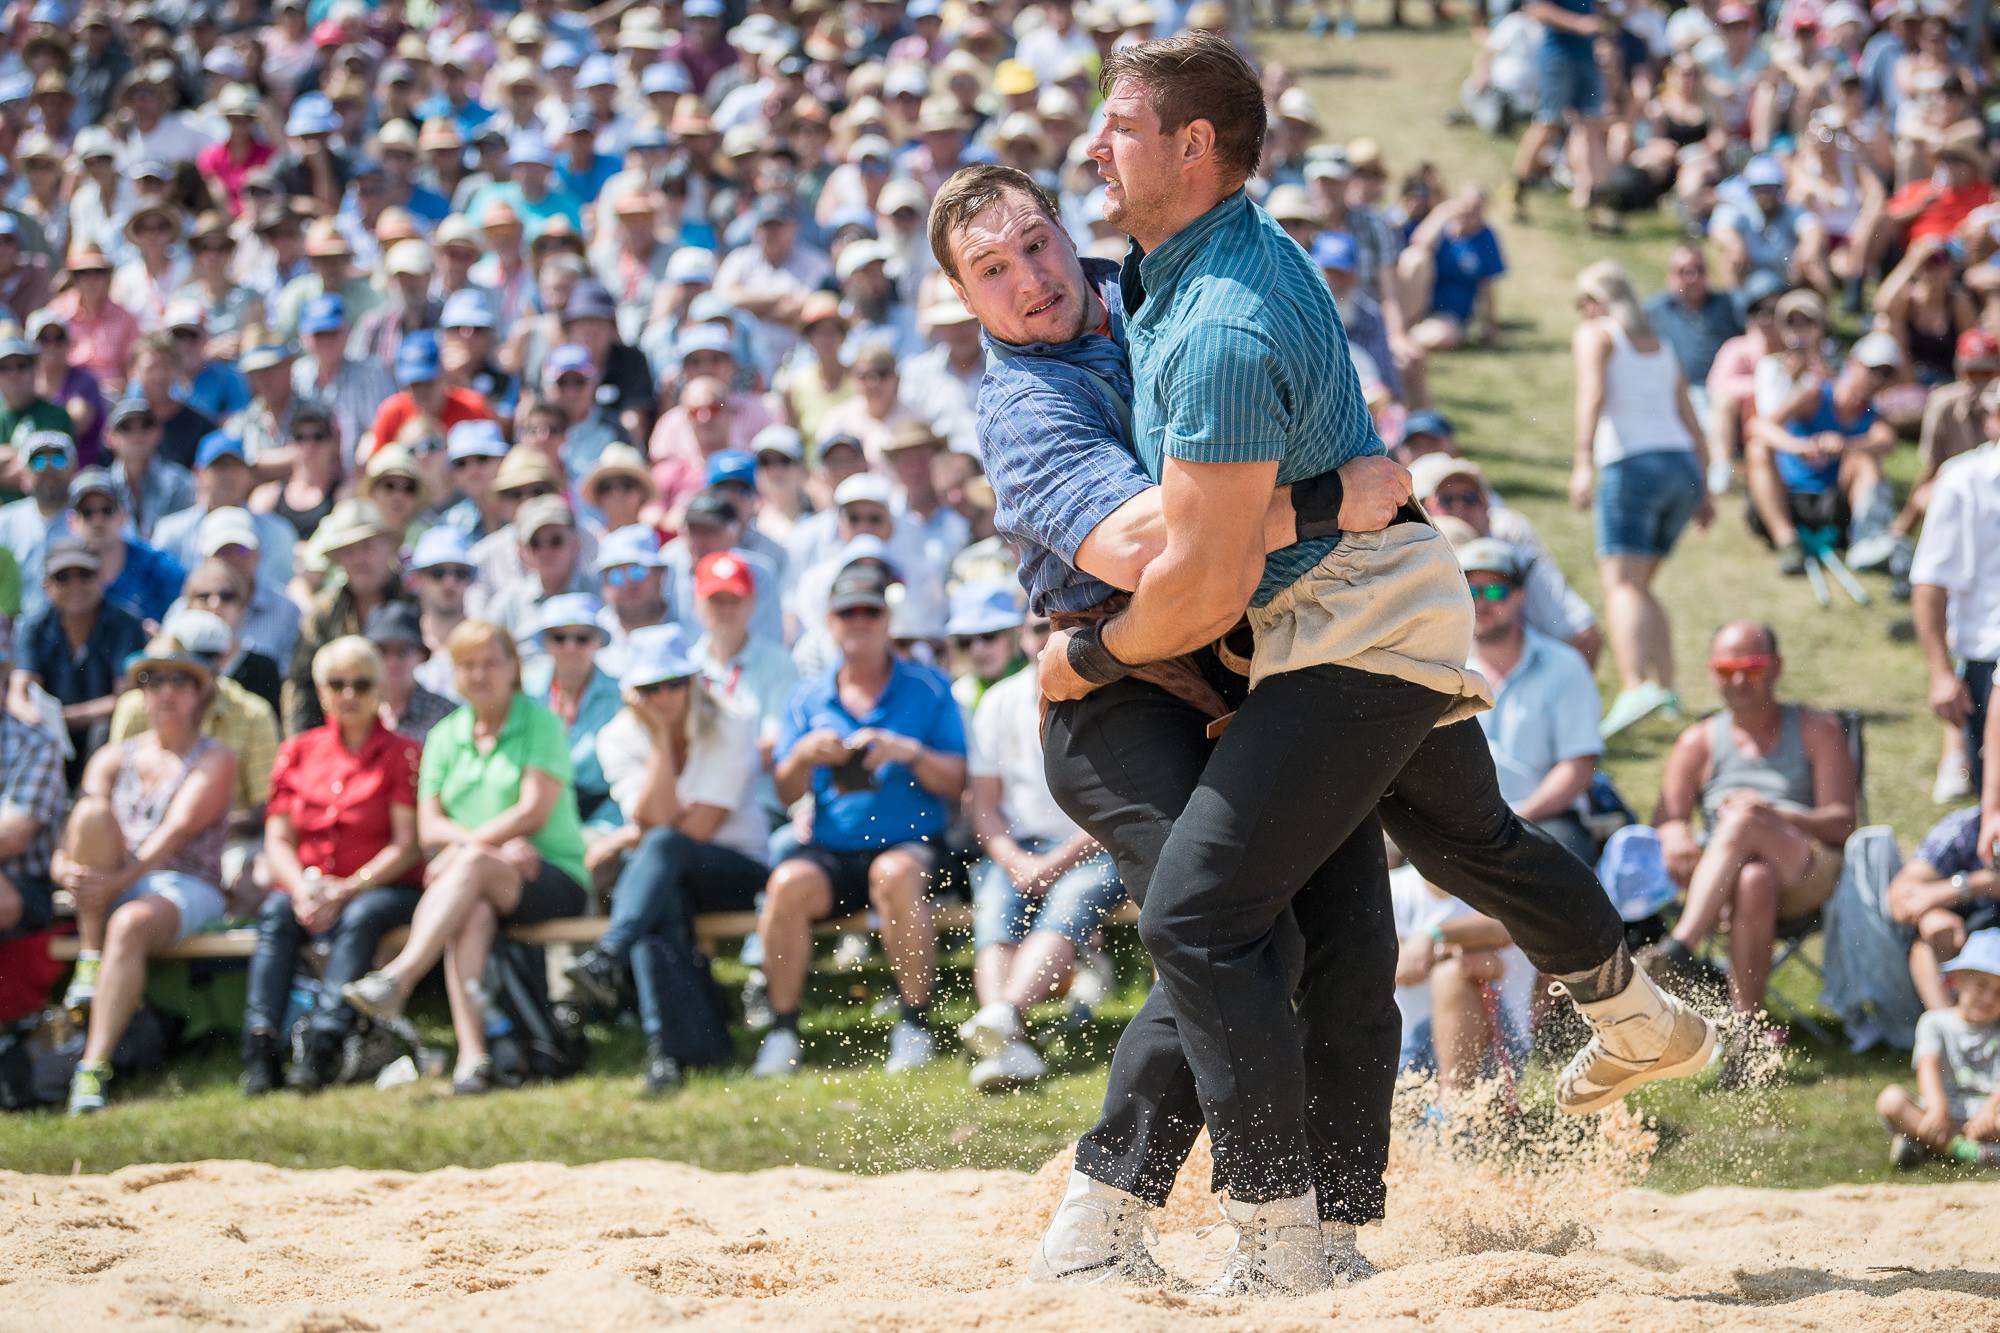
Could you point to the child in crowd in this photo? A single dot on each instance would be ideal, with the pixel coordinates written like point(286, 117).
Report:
point(1957, 1058)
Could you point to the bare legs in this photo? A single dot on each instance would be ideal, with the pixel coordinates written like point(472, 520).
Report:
point(1641, 640)
point(125, 936)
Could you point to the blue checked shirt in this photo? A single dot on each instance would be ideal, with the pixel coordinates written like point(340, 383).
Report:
point(1238, 356)
point(31, 785)
point(1052, 439)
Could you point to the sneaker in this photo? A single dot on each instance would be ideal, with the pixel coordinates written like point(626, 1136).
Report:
point(780, 1056)
point(83, 981)
point(1792, 560)
point(1343, 1254)
point(663, 1072)
point(263, 1070)
point(1874, 552)
point(1279, 1250)
point(850, 954)
point(756, 1001)
point(1721, 476)
point(87, 1088)
point(1014, 1065)
point(1905, 1153)
point(1633, 706)
point(315, 1060)
point(1096, 978)
point(374, 995)
point(987, 1032)
point(1098, 1237)
point(596, 976)
point(910, 1047)
point(1638, 1036)
point(1954, 782)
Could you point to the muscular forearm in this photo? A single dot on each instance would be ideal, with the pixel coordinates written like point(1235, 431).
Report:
point(1198, 587)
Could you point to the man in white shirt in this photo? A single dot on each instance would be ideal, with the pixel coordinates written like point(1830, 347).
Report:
point(770, 279)
point(1044, 888)
point(866, 516)
point(1955, 586)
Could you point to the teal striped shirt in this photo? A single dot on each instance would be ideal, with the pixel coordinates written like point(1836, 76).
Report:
point(1238, 356)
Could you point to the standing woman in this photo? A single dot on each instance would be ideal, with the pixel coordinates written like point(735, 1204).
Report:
point(497, 815)
point(142, 852)
point(1640, 455)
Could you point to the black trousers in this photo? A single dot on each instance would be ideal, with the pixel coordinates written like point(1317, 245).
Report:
point(1304, 761)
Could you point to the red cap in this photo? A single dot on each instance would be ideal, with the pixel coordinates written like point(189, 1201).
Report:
point(723, 572)
point(1735, 13)
point(1977, 347)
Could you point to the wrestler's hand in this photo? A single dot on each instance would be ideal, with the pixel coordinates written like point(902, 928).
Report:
point(1371, 491)
point(1059, 682)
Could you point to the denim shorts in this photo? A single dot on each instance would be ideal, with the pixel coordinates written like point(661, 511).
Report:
point(1569, 84)
point(200, 903)
point(1073, 907)
point(1419, 1053)
point(1644, 500)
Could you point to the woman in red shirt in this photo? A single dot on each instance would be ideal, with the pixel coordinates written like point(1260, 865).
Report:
point(340, 847)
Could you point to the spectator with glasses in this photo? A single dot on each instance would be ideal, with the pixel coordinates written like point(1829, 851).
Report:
point(353, 388)
point(74, 647)
point(149, 487)
point(29, 524)
point(683, 767)
point(142, 852)
point(567, 679)
point(21, 405)
point(631, 570)
point(1774, 785)
point(354, 539)
point(423, 392)
point(313, 478)
point(99, 331)
point(497, 817)
point(702, 425)
point(408, 706)
point(263, 625)
point(546, 532)
point(985, 632)
point(441, 576)
point(136, 575)
point(875, 411)
point(59, 379)
point(157, 379)
point(395, 485)
point(523, 475)
point(619, 487)
point(223, 479)
point(473, 450)
point(340, 850)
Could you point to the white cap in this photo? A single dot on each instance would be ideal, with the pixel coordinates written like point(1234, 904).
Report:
point(863, 488)
point(1878, 349)
point(228, 526)
point(410, 256)
point(858, 256)
point(778, 439)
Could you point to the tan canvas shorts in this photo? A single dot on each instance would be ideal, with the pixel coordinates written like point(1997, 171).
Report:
point(1392, 602)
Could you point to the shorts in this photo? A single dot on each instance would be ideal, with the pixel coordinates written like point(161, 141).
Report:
point(1645, 500)
point(200, 903)
point(847, 872)
point(1072, 907)
point(1814, 886)
point(1419, 1053)
point(1569, 84)
point(547, 894)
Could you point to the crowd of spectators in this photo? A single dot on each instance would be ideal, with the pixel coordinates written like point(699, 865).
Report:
point(473, 468)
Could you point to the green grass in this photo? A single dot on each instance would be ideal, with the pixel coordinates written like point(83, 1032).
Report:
point(1817, 1127)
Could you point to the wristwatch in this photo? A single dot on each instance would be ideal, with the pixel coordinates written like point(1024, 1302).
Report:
point(1961, 884)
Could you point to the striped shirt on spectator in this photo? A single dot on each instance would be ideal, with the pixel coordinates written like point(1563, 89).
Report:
point(31, 785)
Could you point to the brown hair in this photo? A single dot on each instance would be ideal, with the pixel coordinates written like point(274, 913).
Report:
point(238, 581)
point(1198, 75)
point(971, 191)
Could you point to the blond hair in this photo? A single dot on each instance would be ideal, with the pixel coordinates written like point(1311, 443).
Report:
point(349, 650)
point(472, 637)
point(1607, 283)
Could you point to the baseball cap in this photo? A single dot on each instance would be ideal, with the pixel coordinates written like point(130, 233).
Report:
point(1878, 351)
point(396, 622)
point(410, 256)
point(1978, 348)
point(225, 527)
point(92, 481)
point(570, 610)
point(1335, 250)
point(779, 439)
point(703, 338)
point(1803, 302)
point(264, 356)
point(568, 359)
point(691, 264)
point(441, 545)
point(1764, 172)
point(711, 509)
point(1432, 470)
point(860, 585)
point(590, 300)
point(323, 314)
point(417, 360)
point(17, 346)
point(474, 439)
point(67, 552)
point(218, 445)
point(863, 488)
point(1981, 953)
point(656, 653)
point(1427, 422)
point(529, 149)
point(33, 443)
point(857, 256)
point(633, 545)
point(467, 308)
point(1289, 203)
point(984, 606)
point(1490, 555)
point(724, 571)
point(736, 467)
point(544, 511)
point(131, 406)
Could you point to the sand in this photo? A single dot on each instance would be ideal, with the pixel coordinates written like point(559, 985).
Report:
point(1549, 1238)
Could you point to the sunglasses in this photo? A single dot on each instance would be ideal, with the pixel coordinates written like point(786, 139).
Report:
point(625, 576)
point(397, 485)
point(619, 484)
point(134, 423)
point(349, 684)
point(520, 493)
point(1746, 666)
point(706, 411)
point(872, 376)
point(16, 367)
point(48, 462)
point(215, 597)
point(1457, 500)
point(861, 613)
point(214, 247)
point(963, 641)
point(1492, 592)
point(676, 683)
point(234, 551)
point(456, 573)
point(187, 335)
point(568, 639)
point(72, 576)
point(457, 463)
point(91, 513)
point(162, 680)
point(865, 518)
point(312, 437)
point(550, 541)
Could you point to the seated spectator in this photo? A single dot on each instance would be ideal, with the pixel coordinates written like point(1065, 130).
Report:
point(1819, 458)
point(29, 524)
point(340, 851)
point(1775, 786)
point(422, 392)
point(877, 408)
point(1450, 272)
point(223, 480)
point(985, 632)
point(739, 664)
point(158, 379)
point(862, 507)
point(135, 575)
point(265, 624)
point(306, 494)
point(523, 475)
point(32, 793)
point(497, 819)
point(1956, 1112)
point(405, 705)
point(713, 524)
point(142, 853)
point(1732, 380)
point(21, 402)
point(1045, 886)
point(566, 678)
point(74, 648)
point(149, 487)
point(683, 766)
point(1945, 892)
point(393, 483)
point(354, 540)
point(733, 475)
point(1954, 420)
point(1923, 306)
point(473, 454)
point(1542, 727)
point(1757, 231)
point(618, 486)
point(1360, 314)
point(1447, 957)
point(880, 744)
point(545, 530)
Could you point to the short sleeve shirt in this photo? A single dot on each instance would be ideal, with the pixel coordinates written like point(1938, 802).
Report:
point(917, 703)
point(475, 786)
point(722, 770)
point(1959, 550)
point(31, 785)
point(1543, 713)
point(78, 677)
point(1007, 744)
point(1464, 265)
point(340, 801)
point(1970, 1055)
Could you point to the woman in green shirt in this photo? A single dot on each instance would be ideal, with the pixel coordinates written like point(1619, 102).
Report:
point(497, 816)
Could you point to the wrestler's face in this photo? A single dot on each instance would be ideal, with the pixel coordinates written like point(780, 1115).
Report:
point(1018, 273)
point(1141, 166)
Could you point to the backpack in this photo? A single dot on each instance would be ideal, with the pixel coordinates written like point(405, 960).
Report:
point(546, 1041)
point(694, 1014)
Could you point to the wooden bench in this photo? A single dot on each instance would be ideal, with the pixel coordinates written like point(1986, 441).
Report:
point(709, 930)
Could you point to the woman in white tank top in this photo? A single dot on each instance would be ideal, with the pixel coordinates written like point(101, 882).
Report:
point(1640, 462)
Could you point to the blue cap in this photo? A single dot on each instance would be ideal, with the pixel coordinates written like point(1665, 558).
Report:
point(984, 606)
point(1335, 250)
point(657, 653)
point(478, 438)
point(633, 545)
point(568, 609)
point(1427, 423)
point(467, 308)
point(217, 445)
point(923, 9)
point(417, 359)
point(664, 76)
point(16, 87)
point(568, 359)
point(312, 114)
point(1763, 172)
point(9, 225)
point(441, 545)
point(1980, 954)
point(703, 338)
point(529, 149)
point(17, 346)
point(702, 9)
point(264, 356)
point(323, 314)
point(733, 466)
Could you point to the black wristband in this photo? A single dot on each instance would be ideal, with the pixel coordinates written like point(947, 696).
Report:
point(1090, 659)
point(1316, 506)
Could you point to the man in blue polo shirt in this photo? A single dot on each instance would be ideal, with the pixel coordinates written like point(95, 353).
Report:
point(880, 743)
point(74, 647)
point(136, 575)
